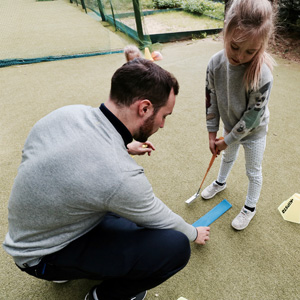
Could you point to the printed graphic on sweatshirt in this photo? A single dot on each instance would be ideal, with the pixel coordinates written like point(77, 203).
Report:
point(253, 116)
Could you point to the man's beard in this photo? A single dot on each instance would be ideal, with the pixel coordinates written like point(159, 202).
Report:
point(145, 130)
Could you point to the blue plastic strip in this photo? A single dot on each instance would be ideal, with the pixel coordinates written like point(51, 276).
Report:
point(213, 214)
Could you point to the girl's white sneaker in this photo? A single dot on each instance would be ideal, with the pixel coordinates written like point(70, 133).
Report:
point(212, 190)
point(242, 220)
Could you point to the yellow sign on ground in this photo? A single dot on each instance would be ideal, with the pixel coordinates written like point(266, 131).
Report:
point(290, 209)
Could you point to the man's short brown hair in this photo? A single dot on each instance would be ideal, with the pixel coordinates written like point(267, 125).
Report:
point(142, 79)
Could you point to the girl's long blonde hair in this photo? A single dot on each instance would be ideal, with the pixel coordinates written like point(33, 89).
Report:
point(252, 19)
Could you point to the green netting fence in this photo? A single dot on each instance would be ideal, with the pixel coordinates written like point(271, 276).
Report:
point(131, 18)
point(45, 30)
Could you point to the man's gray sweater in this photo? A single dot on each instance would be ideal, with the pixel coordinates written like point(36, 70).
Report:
point(75, 168)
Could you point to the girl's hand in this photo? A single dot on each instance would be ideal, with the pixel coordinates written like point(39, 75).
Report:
point(212, 136)
point(220, 144)
point(138, 148)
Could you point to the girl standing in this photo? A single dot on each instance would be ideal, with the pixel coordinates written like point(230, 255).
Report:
point(238, 84)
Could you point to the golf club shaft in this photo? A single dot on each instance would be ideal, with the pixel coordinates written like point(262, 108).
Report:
point(210, 164)
point(191, 199)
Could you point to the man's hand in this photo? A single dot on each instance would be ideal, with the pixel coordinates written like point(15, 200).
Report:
point(138, 148)
point(203, 235)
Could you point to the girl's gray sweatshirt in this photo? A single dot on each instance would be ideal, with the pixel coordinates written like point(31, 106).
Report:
point(245, 115)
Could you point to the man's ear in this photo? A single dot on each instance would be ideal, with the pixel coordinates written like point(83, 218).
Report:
point(145, 108)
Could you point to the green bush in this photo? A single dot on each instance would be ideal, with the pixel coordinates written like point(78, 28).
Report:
point(162, 4)
point(289, 14)
point(193, 6)
point(199, 7)
point(204, 7)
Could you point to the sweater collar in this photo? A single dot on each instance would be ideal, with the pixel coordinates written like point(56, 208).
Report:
point(120, 127)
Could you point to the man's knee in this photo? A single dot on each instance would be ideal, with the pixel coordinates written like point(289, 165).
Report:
point(177, 247)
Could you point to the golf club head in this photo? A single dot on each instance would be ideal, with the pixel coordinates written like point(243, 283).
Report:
point(191, 199)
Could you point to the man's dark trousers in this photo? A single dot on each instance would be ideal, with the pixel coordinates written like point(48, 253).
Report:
point(128, 259)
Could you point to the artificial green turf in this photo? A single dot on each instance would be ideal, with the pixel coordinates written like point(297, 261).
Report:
point(261, 262)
